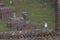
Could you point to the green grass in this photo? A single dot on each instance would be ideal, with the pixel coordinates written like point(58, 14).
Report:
point(39, 11)
point(3, 26)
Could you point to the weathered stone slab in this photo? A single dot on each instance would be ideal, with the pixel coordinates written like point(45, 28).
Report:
point(19, 24)
point(27, 34)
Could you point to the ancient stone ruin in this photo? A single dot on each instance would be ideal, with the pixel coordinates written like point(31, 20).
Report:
point(2, 5)
point(18, 24)
point(5, 12)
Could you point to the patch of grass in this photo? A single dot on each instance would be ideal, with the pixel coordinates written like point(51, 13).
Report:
point(39, 11)
point(3, 26)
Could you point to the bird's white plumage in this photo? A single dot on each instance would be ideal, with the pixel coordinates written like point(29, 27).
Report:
point(45, 25)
